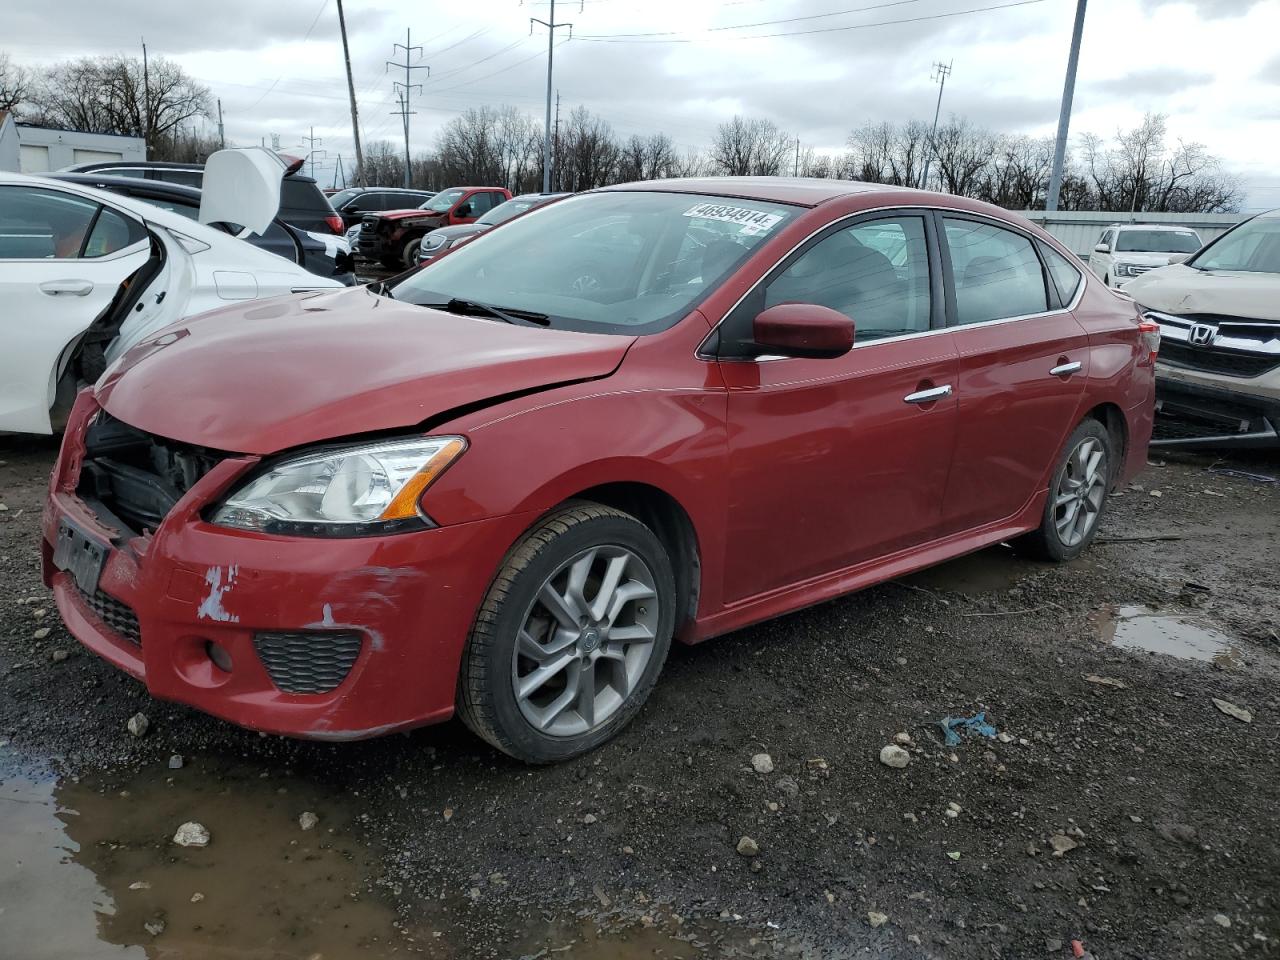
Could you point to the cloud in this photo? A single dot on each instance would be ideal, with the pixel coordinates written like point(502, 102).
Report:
point(1154, 81)
point(1270, 72)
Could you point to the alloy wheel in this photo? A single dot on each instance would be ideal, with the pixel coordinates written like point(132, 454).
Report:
point(1081, 490)
point(585, 641)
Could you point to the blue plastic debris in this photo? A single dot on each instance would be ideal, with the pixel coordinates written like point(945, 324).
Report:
point(953, 727)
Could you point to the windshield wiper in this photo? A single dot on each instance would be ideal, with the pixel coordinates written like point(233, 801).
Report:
point(521, 318)
point(382, 288)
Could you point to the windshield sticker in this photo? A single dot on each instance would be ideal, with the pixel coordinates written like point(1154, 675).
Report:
point(753, 222)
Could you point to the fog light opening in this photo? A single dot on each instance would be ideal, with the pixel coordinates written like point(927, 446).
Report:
point(221, 659)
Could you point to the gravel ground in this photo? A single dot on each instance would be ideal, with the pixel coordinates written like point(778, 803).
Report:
point(1167, 804)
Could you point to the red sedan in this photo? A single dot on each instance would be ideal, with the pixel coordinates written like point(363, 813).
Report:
point(500, 486)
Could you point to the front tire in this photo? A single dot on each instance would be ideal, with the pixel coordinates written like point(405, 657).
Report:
point(571, 636)
point(1077, 495)
point(409, 253)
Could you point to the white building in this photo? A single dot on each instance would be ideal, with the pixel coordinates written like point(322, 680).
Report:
point(29, 149)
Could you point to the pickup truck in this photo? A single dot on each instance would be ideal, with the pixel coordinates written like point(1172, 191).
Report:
point(394, 236)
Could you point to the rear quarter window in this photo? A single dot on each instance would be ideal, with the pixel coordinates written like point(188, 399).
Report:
point(304, 195)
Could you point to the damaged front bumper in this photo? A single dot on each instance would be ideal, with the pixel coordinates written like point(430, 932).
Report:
point(1190, 415)
point(320, 639)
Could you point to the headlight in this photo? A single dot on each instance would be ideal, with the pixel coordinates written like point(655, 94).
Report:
point(433, 242)
point(356, 491)
point(1128, 270)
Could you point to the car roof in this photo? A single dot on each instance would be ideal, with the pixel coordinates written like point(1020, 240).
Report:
point(133, 184)
point(802, 191)
point(1153, 226)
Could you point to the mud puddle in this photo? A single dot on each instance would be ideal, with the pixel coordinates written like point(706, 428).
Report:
point(1146, 630)
point(89, 870)
point(993, 570)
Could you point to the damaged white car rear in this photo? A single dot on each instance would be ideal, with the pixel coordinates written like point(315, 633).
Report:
point(85, 274)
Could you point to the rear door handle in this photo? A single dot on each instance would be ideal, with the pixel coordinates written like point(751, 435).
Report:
point(1065, 369)
point(928, 396)
point(78, 288)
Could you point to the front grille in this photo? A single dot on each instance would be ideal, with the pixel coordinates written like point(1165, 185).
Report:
point(135, 477)
point(116, 614)
point(1216, 360)
point(307, 662)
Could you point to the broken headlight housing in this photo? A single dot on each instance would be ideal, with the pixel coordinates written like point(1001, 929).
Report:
point(348, 492)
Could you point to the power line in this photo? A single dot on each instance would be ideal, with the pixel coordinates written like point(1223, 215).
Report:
point(802, 33)
point(758, 23)
point(940, 73)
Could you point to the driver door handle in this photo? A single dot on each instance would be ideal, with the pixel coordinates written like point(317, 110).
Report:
point(1066, 369)
point(928, 396)
point(77, 288)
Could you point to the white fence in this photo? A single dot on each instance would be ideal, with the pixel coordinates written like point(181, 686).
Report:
point(1080, 229)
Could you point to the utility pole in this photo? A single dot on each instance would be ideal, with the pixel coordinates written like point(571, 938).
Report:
point(1064, 118)
point(222, 140)
point(940, 73)
point(555, 156)
point(552, 27)
point(311, 154)
point(146, 100)
point(338, 169)
point(796, 173)
point(403, 90)
point(351, 91)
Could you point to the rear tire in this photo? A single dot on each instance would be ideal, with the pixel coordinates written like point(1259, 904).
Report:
point(571, 636)
point(1077, 496)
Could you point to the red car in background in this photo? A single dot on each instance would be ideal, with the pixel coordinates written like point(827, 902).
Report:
point(503, 484)
point(394, 236)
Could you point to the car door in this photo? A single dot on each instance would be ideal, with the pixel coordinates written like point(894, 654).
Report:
point(837, 461)
point(1024, 360)
point(63, 259)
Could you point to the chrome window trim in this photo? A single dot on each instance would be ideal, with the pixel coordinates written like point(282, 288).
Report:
point(701, 353)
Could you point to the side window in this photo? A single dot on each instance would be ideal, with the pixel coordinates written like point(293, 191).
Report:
point(496, 199)
point(112, 232)
point(189, 210)
point(996, 272)
point(876, 273)
point(1066, 277)
point(36, 224)
point(479, 204)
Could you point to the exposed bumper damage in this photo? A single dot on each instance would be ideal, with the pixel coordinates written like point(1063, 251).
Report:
point(323, 639)
point(1190, 414)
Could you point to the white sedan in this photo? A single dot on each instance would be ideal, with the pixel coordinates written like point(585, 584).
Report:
point(85, 274)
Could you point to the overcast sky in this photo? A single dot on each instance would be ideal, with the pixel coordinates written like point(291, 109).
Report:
point(1212, 65)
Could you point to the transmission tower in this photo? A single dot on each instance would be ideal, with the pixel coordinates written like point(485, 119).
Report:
point(404, 89)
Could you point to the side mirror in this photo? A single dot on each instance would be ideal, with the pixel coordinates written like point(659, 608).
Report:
point(464, 210)
point(803, 330)
point(1102, 248)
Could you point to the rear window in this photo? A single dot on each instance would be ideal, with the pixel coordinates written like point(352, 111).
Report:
point(304, 195)
point(1157, 241)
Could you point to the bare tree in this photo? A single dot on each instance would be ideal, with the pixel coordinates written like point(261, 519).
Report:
point(589, 151)
point(964, 155)
point(750, 148)
point(888, 153)
point(16, 84)
point(110, 95)
point(646, 158)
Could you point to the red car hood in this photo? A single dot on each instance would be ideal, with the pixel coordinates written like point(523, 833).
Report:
point(269, 376)
point(410, 214)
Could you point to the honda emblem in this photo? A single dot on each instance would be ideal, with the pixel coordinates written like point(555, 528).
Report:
point(1202, 334)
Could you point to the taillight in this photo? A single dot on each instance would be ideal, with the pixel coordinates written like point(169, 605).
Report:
point(335, 224)
point(1149, 342)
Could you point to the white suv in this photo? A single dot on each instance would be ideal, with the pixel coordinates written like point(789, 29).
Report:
point(1128, 250)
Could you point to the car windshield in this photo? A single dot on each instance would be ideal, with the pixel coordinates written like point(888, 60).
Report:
point(612, 262)
point(505, 211)
point(1253, 247)
point(341, 197)
point(443, 201)
point(1157, 241)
